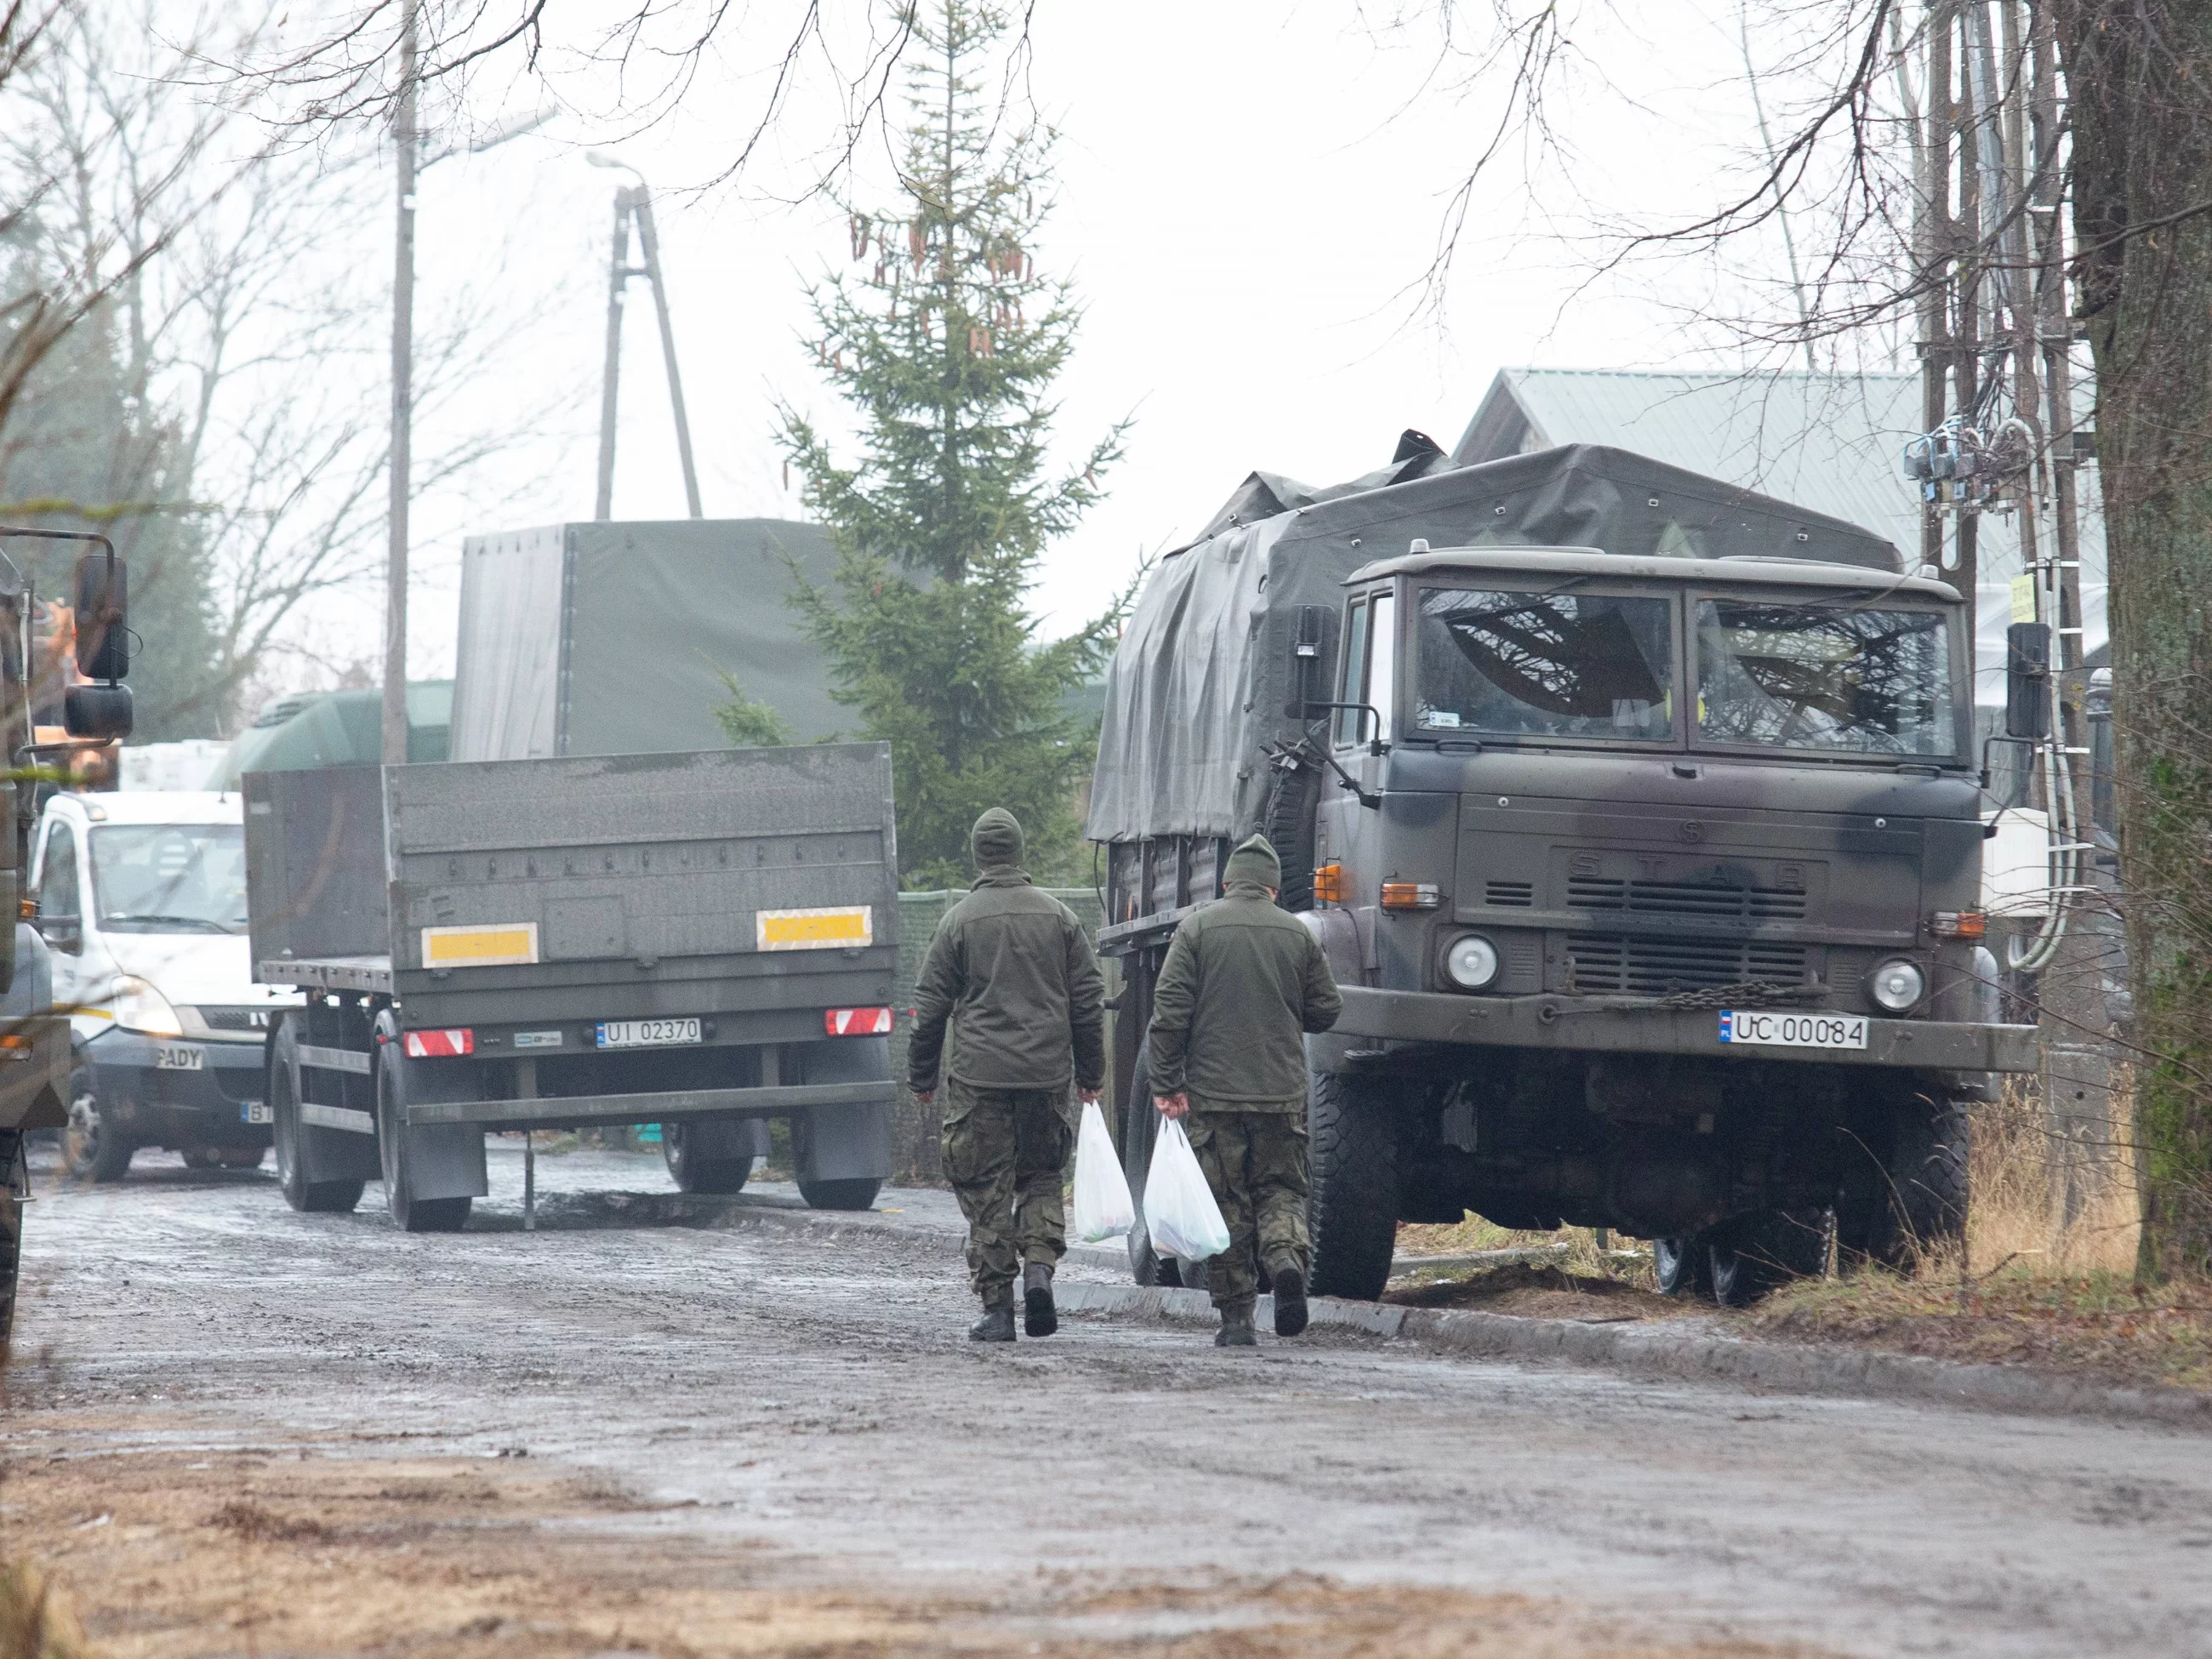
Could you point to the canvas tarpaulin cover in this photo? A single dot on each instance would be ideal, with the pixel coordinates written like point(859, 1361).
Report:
point(1200, 681)
point(612, 638)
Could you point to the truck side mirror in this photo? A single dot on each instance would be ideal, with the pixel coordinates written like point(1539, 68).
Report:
point(2027, 681)
point(103, 616)
point(1310, 653)
point(97, 711)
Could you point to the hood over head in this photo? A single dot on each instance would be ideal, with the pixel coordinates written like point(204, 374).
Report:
point(996, 838)
point(1255, 861)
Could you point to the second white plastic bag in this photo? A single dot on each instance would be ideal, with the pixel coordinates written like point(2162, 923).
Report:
point(1179, 1208)
point(1103, 1209)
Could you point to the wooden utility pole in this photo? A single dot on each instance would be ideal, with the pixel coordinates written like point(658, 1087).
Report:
point(403, 410)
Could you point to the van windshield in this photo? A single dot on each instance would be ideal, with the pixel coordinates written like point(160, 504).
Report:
point(1822, 677)
point(170, 878)
point(1557, 665)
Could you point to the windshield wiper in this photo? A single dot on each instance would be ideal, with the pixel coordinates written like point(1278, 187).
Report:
point(152, 920)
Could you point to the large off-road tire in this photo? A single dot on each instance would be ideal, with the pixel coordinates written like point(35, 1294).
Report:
point(713, 1175)
point(1682, 1266)
point(1140, 1130)
point(93, 1149)
point(14, 1181)
point(311, 1197)
point(856, 1192)
point(1929, 1145)
point(1352, 1213)
point(413, 1214)
point(1750, 1256)
point(1289, 829)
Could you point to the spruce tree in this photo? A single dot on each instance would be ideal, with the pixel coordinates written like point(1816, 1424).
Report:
point(946, 349)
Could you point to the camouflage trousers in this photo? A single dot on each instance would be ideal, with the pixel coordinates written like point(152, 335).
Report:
point(1006, 1151)
point(1255, 1162)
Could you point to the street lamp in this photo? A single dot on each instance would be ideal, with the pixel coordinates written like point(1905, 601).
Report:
point(634, 202)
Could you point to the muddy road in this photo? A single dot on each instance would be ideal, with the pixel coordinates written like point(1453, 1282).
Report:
point(655, 1424)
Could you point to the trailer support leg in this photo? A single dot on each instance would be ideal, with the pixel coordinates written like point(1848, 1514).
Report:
point(530, 1181)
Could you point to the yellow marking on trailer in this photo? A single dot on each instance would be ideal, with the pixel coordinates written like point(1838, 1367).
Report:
point(816, 930)
point(499, 946)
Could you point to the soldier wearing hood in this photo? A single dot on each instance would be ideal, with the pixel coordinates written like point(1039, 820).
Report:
point(1243, 983)
point(1011, 974)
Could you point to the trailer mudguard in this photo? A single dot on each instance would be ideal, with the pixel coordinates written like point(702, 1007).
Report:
point(443, 1160)
point(845, 1143)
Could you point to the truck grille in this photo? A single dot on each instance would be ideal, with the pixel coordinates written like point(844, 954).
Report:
point(1685, 898)
point(1653, 967)
point(1509, 895)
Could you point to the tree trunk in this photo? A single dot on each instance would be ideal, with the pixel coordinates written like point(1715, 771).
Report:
point(2139, 74)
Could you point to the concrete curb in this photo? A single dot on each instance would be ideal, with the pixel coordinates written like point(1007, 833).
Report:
point(1665, 1351)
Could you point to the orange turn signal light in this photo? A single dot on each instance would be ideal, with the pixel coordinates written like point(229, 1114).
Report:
point(1959, 924)
point(1410, 896)
point(1329, 884)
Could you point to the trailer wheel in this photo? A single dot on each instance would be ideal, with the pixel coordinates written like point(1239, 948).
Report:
point(93, 1148)
point(1141, 1129)
point(1747, 1258)
point(14, 1180)
point(853, 1194)
point(1930, 1143)
point(413, 1214)
point(1352, 1208)
point(703, 1175)
point(310, 1197)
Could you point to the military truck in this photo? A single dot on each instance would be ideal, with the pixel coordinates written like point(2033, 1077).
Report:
point(84, 686)
point(1638, 817)
point(704, 941)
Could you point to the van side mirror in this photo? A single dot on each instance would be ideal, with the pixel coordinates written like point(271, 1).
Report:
point(61, 932)
point(2027, 681)
point(103, 616)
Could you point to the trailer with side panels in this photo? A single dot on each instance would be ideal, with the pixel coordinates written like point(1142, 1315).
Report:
point(704, 941)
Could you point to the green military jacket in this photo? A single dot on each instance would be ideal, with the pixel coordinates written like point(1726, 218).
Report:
point(1010, 971)
point(1243, 983)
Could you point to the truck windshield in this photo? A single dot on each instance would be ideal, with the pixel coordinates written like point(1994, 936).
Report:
point(1557, 665)
point(170, 878)
point(1823, 677)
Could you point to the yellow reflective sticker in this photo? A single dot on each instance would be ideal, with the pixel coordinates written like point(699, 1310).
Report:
point(816, 930)
point(495, 946)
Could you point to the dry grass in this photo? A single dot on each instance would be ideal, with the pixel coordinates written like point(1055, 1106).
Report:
point(36, 1619)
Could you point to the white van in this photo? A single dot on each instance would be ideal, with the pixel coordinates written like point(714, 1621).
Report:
point(141, 902)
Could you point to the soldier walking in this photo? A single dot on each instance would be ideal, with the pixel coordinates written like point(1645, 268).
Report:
point(1011, 970)
point(1243, 983)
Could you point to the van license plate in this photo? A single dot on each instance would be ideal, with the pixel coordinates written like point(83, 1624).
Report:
point(646, 1033)
point(256, 1111)
point(1772, 1030)
point(179, 1057)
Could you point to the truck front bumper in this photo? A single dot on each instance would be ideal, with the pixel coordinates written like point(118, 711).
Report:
point(1628, 1025)
point(210, 1106)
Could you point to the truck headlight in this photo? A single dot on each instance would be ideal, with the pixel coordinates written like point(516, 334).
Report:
point(140, 1007)
point(1472, 962)
point(1897, 986)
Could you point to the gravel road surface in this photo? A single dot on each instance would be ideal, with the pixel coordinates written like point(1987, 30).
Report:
point(685, 1389)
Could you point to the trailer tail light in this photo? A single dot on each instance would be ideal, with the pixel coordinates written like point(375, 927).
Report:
point(1959, 924)
point(1328, 885)
point(440, 1045)
point(1410, 896)
point(857, 1022)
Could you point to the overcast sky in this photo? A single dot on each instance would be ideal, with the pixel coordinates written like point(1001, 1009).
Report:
point(1248, 202)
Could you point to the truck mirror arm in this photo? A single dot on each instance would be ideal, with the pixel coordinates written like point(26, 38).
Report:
point(1320, 750)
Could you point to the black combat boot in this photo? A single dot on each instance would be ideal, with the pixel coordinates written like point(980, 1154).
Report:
point(1290, 1288)
point(1235, 1330)
point(1039, 1316)
point(997, 1324)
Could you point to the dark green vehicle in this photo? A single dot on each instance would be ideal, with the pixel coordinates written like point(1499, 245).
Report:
point(1639, 817)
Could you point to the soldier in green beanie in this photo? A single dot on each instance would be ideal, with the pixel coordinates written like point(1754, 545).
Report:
point(1243, 983)
point(1010, 972)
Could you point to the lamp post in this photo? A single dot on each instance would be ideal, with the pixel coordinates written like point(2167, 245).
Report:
point(633, 203)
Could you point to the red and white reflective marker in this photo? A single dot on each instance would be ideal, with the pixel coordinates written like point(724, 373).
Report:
point(857, 1022)
point(440, 1045)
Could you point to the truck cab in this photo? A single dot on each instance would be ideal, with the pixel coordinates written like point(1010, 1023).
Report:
point(141, 903)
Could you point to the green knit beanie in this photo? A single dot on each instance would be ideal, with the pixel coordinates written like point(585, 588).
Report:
point(996, 838)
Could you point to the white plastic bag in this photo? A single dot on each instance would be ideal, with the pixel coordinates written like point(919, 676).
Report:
point(1179, 1207)
point(1103, 1208)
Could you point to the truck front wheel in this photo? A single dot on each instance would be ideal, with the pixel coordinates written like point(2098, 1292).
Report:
point(1931, 1142)
point(1352, 1210)
point(93, 1148)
